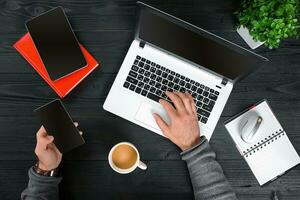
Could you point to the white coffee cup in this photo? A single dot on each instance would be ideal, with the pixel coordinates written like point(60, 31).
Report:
point(137, 163)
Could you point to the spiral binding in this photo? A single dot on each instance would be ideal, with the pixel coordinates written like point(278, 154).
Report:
point(263, 143)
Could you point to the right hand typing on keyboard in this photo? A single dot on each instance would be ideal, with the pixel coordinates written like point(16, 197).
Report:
point(183, 130)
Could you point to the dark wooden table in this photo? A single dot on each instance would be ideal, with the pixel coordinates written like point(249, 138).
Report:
point(106, 27)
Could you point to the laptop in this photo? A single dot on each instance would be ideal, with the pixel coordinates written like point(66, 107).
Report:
point(169, 54)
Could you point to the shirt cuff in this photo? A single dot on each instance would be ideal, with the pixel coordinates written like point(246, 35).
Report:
point(37, 177)
point(202, 140)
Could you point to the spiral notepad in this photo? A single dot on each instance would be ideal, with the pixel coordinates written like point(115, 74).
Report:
point(272, 154)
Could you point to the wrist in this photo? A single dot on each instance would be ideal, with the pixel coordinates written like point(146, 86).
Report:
point(42, 170)
point(44, 167)
point(202, 140)
point(195, 142)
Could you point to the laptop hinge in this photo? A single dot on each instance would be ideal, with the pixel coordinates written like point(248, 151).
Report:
point(224, 81)
point(142, 44)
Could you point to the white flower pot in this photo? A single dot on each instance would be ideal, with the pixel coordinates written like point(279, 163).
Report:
point(244, 33)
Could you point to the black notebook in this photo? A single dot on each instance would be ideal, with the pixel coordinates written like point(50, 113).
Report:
point(56, 43)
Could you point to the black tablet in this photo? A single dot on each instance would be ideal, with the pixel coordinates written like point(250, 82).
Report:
point(56, 43)
point(59, 124)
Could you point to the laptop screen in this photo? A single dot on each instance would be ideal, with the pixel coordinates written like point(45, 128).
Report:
point(195, 45)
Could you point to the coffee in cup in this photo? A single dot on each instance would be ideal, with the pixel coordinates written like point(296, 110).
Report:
point(124, 158)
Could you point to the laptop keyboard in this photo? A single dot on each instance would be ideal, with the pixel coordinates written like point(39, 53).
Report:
point(152, 80)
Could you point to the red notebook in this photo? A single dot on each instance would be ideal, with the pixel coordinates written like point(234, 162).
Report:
point(63, 86)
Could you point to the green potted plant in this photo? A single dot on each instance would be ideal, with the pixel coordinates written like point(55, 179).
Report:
point(267, 21)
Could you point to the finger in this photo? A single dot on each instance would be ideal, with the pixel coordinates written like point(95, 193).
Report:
point(186, 101)
point(190, 103)
point(168, 107)
point(43, 142)
point(57, 151)
point(80, 132)
point(41, 133)
point(193, 105)
point(176, 101)
point(161, 123)
point(53, 146)
point(76, 124)
point(49, 139)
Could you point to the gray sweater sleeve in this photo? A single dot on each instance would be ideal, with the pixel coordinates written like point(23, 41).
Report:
point(41, 187)
point(208, 180)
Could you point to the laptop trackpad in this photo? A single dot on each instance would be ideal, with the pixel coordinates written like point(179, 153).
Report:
point(144, 114)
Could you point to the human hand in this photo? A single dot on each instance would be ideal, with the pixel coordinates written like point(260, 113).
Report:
point(46, 151)
point(183, 129)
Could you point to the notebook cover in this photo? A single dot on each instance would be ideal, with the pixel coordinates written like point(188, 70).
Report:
point(63, 86)
point(272, 154)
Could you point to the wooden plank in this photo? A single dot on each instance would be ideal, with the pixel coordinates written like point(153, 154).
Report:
point(93, 179)
point(110, 47)
point(103, 77)
point(17, 142)
point(94, 15)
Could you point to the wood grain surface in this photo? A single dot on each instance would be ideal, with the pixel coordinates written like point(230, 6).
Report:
point(106, 28)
